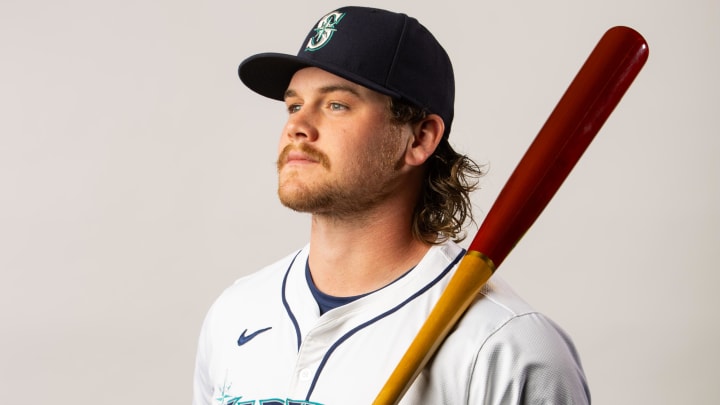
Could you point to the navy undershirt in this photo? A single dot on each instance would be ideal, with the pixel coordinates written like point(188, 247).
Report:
point(327, 302)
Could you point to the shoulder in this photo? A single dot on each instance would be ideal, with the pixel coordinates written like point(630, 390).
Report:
point(256, 286)
point(516, 336)
point(501, 317)
point(514, 354)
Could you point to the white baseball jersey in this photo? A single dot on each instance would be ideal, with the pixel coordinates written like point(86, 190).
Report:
point(264, 342)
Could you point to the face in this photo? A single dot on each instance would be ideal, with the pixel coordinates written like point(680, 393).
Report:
point(339, 153)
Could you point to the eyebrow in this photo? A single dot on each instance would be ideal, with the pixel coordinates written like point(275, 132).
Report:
point(327, 89)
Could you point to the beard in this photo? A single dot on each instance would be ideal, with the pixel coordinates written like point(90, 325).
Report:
point(364, 183)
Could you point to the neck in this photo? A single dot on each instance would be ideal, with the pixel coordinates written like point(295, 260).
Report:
point(353, 256)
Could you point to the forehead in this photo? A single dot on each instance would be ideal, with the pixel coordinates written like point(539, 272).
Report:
point(312, 79)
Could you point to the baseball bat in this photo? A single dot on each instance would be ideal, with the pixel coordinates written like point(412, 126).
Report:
point(582, 110)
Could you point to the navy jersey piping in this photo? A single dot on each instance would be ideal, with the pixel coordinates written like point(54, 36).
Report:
point(287, 305)
point(377, 318)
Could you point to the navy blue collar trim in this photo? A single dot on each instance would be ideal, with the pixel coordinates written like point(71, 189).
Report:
point(327, 302)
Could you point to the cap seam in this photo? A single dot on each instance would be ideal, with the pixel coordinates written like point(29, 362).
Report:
point(391, 71)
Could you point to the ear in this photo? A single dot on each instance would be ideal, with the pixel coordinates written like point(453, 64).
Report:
point(427, 134)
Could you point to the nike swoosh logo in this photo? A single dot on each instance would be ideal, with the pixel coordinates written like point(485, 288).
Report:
point(246, 338)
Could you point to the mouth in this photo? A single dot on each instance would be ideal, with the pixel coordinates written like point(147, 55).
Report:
point(301, 155)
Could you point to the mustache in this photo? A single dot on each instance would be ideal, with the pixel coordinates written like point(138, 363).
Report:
point(306, 149)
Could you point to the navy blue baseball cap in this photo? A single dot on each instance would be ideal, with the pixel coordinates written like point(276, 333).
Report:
point(388, 52)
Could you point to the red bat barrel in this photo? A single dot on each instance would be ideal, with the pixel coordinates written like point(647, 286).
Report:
point(583, 109)
point(578, 116)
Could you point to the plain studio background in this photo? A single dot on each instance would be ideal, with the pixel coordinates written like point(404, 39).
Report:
point(137, 181)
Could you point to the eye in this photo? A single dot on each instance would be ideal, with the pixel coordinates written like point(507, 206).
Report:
point(293, 108)
point(337, 106)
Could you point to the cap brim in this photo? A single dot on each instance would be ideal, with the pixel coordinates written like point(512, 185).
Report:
point(269, 74)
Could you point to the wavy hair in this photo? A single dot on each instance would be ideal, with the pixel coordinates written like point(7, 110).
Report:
point(443, 206)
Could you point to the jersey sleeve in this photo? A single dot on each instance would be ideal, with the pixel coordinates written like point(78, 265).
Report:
point(528, 360)
point(202, 386)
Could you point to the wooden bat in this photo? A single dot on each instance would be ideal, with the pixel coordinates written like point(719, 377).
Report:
point(585, 106)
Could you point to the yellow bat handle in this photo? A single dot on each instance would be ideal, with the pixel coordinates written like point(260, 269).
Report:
point(472, 273)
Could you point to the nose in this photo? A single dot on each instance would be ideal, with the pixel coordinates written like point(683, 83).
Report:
point(302, 125)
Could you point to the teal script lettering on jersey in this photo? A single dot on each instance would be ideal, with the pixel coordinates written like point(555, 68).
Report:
point(236, 401)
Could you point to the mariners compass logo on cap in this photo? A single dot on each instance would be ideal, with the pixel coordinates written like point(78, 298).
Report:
point(324, 31)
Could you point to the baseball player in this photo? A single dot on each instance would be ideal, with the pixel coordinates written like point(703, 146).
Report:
point(365, 151)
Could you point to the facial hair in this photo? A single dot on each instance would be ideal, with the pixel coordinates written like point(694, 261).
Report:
point(368, 180)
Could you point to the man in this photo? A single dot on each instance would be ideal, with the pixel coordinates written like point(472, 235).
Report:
point(365, 151)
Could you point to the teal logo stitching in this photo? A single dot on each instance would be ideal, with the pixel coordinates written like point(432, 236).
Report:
point(324, 31)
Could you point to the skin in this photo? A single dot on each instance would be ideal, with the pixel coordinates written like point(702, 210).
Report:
point(342, 160)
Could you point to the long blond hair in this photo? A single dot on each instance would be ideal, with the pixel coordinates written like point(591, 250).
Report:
point(443, 206)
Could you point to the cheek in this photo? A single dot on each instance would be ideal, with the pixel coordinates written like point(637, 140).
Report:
point(384, 151)
point(391, 146)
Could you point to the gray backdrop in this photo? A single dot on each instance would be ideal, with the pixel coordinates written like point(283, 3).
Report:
point(137, 181)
